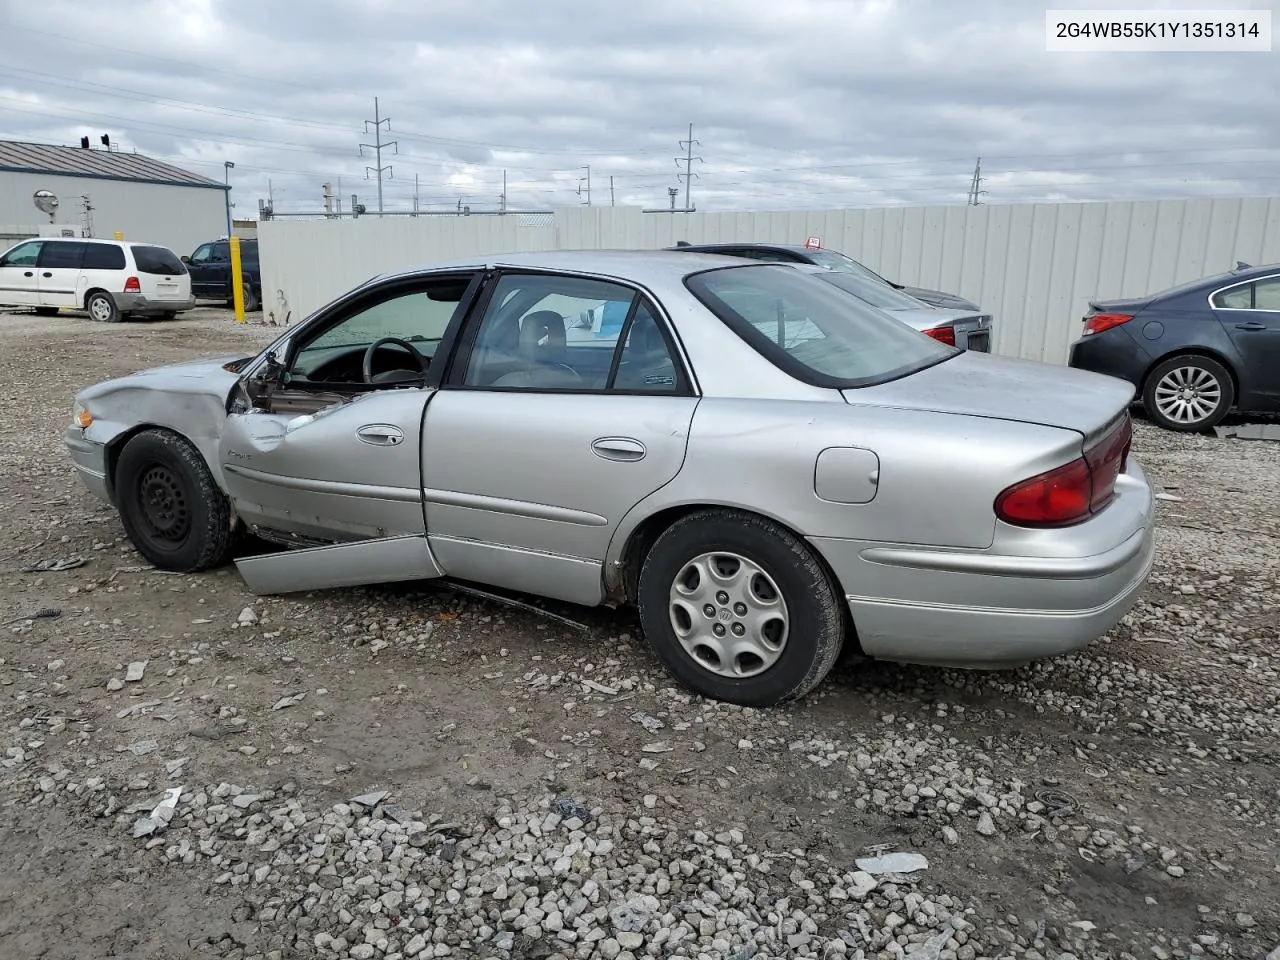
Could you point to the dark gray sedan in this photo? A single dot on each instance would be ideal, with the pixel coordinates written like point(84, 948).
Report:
point(1196, 351)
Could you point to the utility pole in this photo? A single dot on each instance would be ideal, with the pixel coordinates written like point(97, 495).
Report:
point(975, 185)
point(673, 192)
point(611, 190)
point(687, 160)
point(502, 197)
point(378, 146)
point(415, 194)
point(587, 178)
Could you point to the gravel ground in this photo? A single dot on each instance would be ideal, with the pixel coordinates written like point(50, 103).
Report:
point(413, 772)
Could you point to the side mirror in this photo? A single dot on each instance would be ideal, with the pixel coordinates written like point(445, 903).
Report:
point(185, 258)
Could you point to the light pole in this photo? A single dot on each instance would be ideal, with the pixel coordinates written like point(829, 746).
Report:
point(227, 166)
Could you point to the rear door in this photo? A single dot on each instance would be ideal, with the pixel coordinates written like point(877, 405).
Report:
point(1250, 313)
point(59, 272)
point(551, 425)
point(103, 268)
point(19, 285)
point(162, 275)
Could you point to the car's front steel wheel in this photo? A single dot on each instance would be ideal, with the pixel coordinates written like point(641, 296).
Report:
point(171, 507)
point(739, 609)
point(1189, 392)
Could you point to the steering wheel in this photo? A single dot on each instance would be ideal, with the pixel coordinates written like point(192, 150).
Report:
point(367, 365)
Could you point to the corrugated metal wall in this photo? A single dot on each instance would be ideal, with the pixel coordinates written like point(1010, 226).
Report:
point(1034, 266)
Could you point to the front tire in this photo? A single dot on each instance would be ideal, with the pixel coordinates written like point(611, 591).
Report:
point(171, 507)
point(739, 609)
point(102, 308)
point(46, 311)
point(1188, 393)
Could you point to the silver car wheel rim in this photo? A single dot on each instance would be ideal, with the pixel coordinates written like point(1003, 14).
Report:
point(729, 615)
point(1188, 394)
point(99, 309)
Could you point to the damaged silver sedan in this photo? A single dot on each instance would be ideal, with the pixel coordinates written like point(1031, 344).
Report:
point(769, 468)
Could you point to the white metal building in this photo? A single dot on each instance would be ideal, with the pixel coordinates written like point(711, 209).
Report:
point(144, 199)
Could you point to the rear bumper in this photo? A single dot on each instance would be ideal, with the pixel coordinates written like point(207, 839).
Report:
point(981, 609)
point(139, 303)
point(1114, 353)
point(90, 462)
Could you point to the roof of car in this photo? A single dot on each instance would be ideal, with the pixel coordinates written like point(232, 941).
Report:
point(636, 265)
point(789, 247)
point(95, 164)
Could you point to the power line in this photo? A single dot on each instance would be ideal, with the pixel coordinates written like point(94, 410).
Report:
point(378, 146)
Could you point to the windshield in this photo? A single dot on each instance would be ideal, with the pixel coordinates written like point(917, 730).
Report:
point(812, 330)
point(874, 292)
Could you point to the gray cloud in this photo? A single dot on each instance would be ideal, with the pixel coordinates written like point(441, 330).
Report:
point(803, 104)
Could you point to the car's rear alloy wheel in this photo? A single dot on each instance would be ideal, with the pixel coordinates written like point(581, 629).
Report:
point(170, 505)
point(739, 609)
point(102, 308)
point(1188, 393)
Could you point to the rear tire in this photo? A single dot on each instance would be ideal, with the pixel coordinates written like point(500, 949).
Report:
point(171, 507)
point(169, 315)
point(776, 624)
point(250, 300)
point(102, 307)
point(1188, 393)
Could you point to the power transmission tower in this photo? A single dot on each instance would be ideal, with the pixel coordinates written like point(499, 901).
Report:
point(975, 185)
point(687, 160)
point(378, 146)
point(587, 178)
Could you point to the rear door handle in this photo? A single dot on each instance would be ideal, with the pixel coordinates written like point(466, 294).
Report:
point(381, 435)
point(28, 274)
point(618, 448)
point(1251, 325)
point(46, 274)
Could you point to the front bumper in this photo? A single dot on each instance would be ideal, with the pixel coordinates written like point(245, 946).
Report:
point(90, 462)
point(139, 303)
point(985, 610)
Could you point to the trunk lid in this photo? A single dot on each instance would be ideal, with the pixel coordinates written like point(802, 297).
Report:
point(976, 384)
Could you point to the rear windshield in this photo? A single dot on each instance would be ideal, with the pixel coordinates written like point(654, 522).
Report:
point(159, 260)
point(812, 330)
point(875, 292)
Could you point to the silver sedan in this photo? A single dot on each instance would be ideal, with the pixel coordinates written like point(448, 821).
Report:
point(769, 468)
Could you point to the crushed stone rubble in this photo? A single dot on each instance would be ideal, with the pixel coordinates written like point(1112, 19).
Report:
point(947, 815)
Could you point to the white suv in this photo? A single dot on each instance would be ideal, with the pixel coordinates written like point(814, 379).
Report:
point(108, 278)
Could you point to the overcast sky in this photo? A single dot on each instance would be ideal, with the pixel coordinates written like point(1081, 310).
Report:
point(796, 104)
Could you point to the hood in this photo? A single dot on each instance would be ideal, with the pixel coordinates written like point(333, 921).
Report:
point(190, 376)
point(983, 385)
point(939, 299)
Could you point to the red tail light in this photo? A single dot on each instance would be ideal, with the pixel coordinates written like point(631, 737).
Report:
point(945, 335)
point(1070, 493)
point(132, 285)
point(1105, 321)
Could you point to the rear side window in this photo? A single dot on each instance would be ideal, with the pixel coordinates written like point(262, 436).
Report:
point(62, 255)
point(157, 260)
point(103, 256)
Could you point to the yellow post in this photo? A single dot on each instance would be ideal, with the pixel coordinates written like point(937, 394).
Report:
point(119, 234)
point(237, 279)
